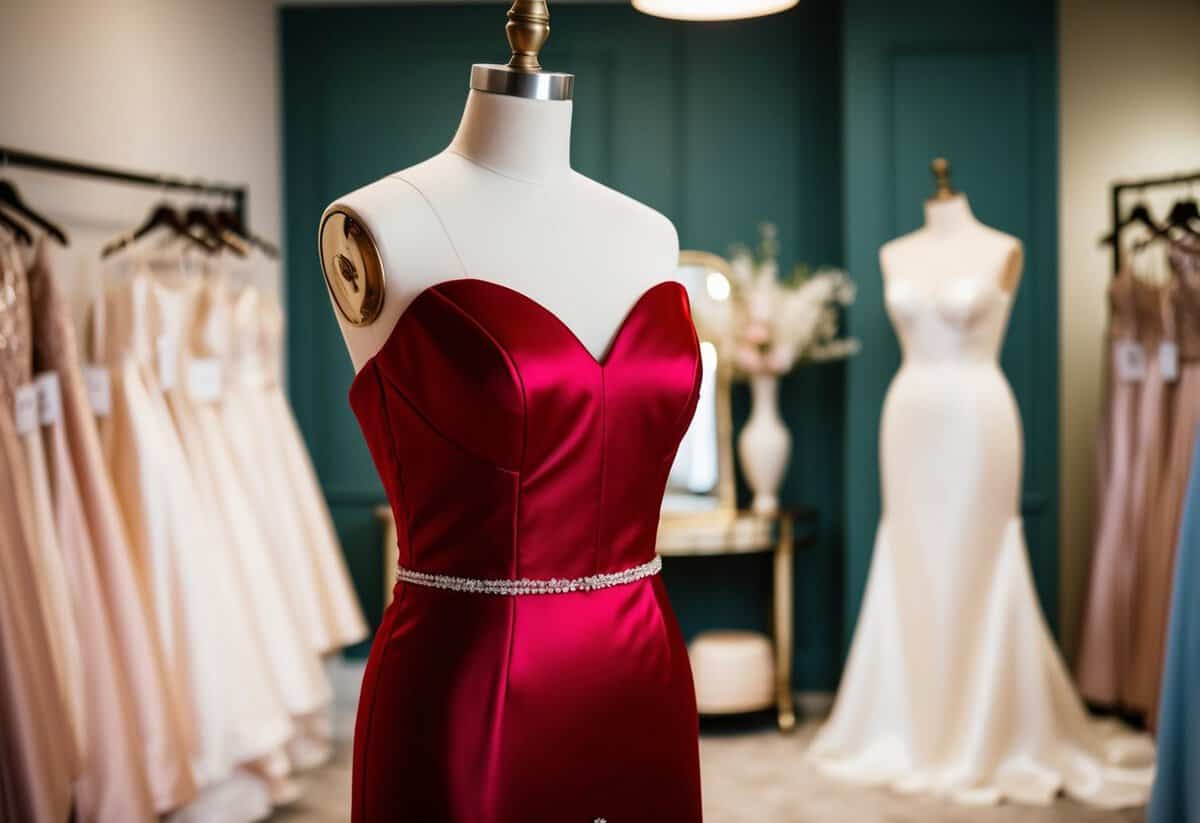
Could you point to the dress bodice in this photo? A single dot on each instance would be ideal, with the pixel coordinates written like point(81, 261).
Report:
point(959, 318)
point(1122, 306)
point(16, 330)
point(1185, 260)
point(507, 450)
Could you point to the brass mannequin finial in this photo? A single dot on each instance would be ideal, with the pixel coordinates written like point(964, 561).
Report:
point(528, 28)
point(941, 174)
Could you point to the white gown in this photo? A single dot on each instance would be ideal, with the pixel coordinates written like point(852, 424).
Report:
point(954, 685)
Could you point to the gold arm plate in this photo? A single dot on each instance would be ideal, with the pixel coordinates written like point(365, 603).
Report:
point(352, 266)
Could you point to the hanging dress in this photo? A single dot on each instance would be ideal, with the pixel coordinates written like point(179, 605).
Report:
point(160, 714)
point(343, 617)
point(296, 671)
point(1106, 627)
point(38, 752)
point(1151, 583)
point(246, 423)
point(113, 787)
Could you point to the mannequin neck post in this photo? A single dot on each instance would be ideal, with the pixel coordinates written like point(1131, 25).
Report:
point(948, 214)
point(528, 140)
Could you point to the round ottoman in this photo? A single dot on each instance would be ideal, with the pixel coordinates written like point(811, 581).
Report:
point(734, 671)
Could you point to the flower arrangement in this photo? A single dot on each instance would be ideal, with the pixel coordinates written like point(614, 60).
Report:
point(777, 322)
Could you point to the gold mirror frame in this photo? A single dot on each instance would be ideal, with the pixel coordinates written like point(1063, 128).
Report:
point(726, 490)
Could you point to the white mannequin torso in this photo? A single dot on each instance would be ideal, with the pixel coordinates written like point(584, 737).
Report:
point(953, 244)
point(502, 203)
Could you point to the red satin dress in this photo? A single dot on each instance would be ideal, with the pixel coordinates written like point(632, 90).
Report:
point(509, 453)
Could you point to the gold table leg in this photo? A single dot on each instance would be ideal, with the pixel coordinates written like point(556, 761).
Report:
point(783, 625)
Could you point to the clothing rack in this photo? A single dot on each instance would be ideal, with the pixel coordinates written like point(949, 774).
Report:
point(16, 157)
point(1139, 185)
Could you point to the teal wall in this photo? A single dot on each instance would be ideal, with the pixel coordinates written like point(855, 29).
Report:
point(717, 126)
point(977, 85)
point(822, 119)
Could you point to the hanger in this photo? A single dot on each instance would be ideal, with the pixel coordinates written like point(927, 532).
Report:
point(227, 220)
point(1140, 214)
point(164, 216)
point(10, 199)
point(18, 231)
point(200, 219)
point(1185, 215)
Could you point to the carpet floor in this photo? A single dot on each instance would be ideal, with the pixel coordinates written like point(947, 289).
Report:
point(753, 774)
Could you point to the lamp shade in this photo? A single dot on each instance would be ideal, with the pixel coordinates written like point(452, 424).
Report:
point(712, 9)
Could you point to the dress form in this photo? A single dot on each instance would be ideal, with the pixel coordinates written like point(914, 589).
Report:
point(501, 203)
point(953, 243)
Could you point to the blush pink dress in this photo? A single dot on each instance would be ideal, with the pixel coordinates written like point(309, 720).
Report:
point(113, 786)
point(1105, 639)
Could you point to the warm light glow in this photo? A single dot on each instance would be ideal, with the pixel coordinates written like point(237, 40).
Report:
point(712, 9)
point(717, 286)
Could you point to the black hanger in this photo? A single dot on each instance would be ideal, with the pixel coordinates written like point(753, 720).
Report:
point(227, 219)
point(203, 221)
point(11, 200)
point(1184, 214)
point(162, 217)
point(19, 231)
point(1140, 214)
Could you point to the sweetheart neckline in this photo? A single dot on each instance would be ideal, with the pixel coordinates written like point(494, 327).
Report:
point(599, 362)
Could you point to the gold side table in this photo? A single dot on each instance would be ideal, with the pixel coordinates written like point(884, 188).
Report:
point(750, 533)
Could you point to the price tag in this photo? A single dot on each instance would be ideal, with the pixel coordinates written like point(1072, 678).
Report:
point(1130, 358)
point(25, 408)
point(168, 363)
point(49, 397)
point(1168, 360)
point(99, 390)
point(204, 379)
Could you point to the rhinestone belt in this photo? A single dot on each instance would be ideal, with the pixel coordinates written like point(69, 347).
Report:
point(554, 585)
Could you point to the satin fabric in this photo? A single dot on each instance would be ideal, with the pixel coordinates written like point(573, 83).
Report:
point(1177, 789)
point(508, 451)
point(953, 685)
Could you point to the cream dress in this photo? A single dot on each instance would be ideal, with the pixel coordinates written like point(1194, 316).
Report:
point(953, 685)
point(343, 618)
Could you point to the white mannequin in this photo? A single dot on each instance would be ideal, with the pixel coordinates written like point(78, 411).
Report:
point(953, 243)
point(953, 685)
point(502, 203)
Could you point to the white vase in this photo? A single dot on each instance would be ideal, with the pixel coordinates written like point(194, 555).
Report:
point(764, 444)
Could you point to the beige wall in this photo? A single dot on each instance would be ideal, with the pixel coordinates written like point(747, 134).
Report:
point(1130, 107)
point(188, 88)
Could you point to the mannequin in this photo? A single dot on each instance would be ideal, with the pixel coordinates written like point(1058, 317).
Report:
point(501, 203)
point(954, 686)
point(952, 236)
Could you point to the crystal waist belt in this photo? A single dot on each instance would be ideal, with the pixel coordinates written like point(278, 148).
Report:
point(554, 585)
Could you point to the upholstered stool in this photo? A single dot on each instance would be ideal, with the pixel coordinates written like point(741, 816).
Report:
point(734, 671)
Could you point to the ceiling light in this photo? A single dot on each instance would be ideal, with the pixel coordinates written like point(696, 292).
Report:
point(712, 9)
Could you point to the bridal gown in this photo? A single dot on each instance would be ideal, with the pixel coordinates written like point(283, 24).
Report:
point(112, 787)
point(530, 667)
point(38, 754)
point(953, 685)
